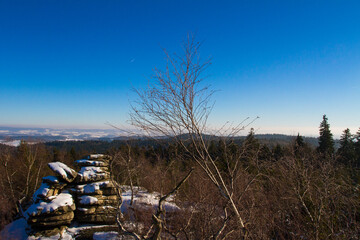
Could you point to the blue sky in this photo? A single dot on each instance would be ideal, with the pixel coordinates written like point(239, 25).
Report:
point(73, 63)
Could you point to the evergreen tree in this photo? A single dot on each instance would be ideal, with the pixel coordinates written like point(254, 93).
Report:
point(326, 141)
point(299, 141)
point(56, 155)
point(250, 146)
point(251, 143)
point(265, 153)
point(278, 152)
point(346, 151)
point(357, 148)
point(73, 155)
point(299, 145)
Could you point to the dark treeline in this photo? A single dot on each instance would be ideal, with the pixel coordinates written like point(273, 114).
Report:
point(285, 191)
point(270, 140)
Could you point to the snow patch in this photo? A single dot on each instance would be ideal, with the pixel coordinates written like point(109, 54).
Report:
point(52, 179)
point(92, 156)
point(144, 200)
point(15, 230)
point(62, 169)
point(91, 172)
point(14, 143)
point(61, 200)
point(91, 187)
point(88, 200)
point(41, 192)
point(106, 235)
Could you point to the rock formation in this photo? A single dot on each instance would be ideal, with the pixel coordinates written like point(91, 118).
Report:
point(95, 196)
point(53, 206)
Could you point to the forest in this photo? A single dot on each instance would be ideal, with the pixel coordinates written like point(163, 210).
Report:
point(284, 191)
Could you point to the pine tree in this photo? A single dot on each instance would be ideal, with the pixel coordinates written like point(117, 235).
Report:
point(326, 141)
point(346, 151)
point(299, 145)
point(357, 148)
point(250, 139)
point(250, 146)
point(299, 141)
point(278, 152)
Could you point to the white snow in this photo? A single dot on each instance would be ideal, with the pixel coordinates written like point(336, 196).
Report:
point(144, 199)
point(89, 173)
point(41, 192)
point(63, 199)
point(61, 169)
point(64, 236)
point(91, 187)
point(13, 143)
point(91, 163)
point(88, 200)
point(52, 179)
point(15, 230)
point(82, 209)
point(106, 235)
point(92, 156)
point(107, 207)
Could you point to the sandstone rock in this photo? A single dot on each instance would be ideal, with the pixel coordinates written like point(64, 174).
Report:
point(59, 204)
point(101, 200)
point(69, 216)
point(95, 194)
point(50, 232)
point(95, 163)
point(48, 224)
point(96, 210)
point(63, 171)
point(99, 157)
point(44, 192)
point(92, 174)
point(99, 218)
point(95, 188)
point(54, 182)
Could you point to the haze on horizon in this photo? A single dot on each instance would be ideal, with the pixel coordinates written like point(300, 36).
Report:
point(73, 64)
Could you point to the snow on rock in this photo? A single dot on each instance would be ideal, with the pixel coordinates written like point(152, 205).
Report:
point(106, 235)
point(51, 179)
point(86, 162)
point(42, 192)
point(90, 174)
point(63, 171)
point(92, 188)
point(88, 200)
point(63, 200)
point(64, 236)
point(94, 156)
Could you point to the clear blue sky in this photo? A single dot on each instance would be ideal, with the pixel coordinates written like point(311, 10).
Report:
point(73, 63)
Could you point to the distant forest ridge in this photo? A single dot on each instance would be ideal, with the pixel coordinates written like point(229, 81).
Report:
point(271, 140)
point(108, 142)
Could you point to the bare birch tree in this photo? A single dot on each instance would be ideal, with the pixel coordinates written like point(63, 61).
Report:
point(178, 105)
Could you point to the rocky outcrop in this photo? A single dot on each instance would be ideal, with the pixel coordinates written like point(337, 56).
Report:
point(87, 196)
point(53, 206)
point(96, 198)
point(63, 171)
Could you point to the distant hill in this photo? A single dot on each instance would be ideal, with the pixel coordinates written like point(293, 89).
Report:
point(101, 139)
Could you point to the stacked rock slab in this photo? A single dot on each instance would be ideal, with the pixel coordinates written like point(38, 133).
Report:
point(53, 206)
point(96, 198)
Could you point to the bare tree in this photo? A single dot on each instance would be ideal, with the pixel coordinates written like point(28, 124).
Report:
point(5, 160)
point(178, 105)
